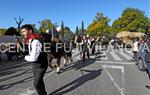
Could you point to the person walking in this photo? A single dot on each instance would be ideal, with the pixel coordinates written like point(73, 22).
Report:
point(36, 57)
point(92, 39)
point(135, 48)
point(85, 46)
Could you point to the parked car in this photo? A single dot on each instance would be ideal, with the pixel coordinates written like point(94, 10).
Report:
point(140, 58)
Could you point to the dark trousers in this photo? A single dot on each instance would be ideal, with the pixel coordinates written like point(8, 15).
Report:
point(39, 69)
point(88, 55)
point(85, 49)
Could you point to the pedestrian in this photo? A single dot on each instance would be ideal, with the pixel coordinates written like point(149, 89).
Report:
point(36, 57)
point(79, 39)
point(92, 39)
point(115, 43)
point(85, 46)
point(135, 48)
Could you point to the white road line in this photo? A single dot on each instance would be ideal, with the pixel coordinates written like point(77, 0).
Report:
point(115, 56)
point(105, 56)
point(28, 92)
point(121, 90)
point(129, 52)
point(125, 55)
point(115, 62)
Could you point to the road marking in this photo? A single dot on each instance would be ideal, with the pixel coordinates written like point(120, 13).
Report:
point(115, 62)
point(121, 90)
point(129, 52)
point(115, 56)
point(125, 55)
point(28, 92)
point(105, 57)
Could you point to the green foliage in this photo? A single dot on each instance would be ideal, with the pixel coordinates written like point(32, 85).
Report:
point(2, 31)
point(67, 33)
point(99, 26)
point(82, 29)
point(62, 29)
point(133, 20)
point(77, 31)
point(35, 29)
point(12, 31)
point(46, 24)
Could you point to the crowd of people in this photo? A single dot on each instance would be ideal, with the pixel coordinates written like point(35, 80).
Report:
point(86, 44)
point(39, 59)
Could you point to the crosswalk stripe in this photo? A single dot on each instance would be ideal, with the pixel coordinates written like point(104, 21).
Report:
point(129, 52)
point(106, 57)
point(125, 55)
point(115, 56)
point(115, 62)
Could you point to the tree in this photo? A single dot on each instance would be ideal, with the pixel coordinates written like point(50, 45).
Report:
point(19, 22)
point(99, 26)
point(35, 29)
point(68, 34)
point(132, 20)
point(62, 29)
point(46, 25)
point(82, 29)
point(2, 31)
point(77, 31)
point(12, 31)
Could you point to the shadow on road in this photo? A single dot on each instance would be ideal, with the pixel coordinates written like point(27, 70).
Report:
point(6, 86)
point(147, 86)
point(15, 75)
point(78, 65)
point(11, 71)
point(11, 68)
point(91, 74)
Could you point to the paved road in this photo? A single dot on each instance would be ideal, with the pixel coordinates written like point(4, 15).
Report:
point(106, 73)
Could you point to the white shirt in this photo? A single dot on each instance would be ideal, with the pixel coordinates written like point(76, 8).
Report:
point(35, 48)
point(135, 46)
point(88, 41)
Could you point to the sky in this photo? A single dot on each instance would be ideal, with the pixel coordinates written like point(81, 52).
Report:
point(71, 12)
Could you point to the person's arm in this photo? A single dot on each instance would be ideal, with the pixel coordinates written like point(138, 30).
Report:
point(35, 52)
point(89, 42)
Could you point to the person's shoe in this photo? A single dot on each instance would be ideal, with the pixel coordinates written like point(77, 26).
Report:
point(57, 69)
point(71, 60)
point(132, 59)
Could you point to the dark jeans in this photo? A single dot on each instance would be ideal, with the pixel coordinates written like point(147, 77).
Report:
point(88, 55)
point(39, 69)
